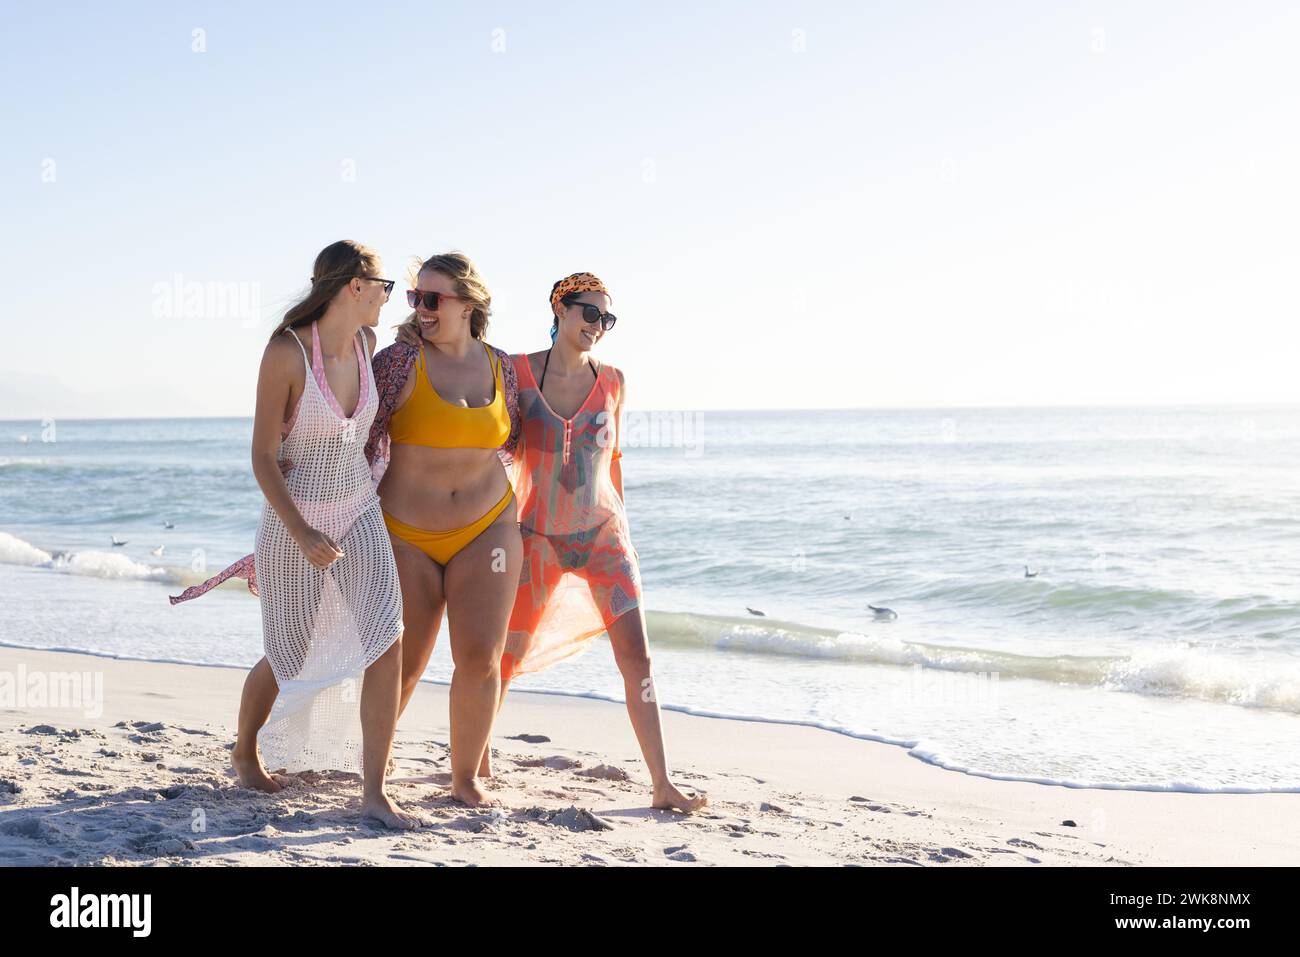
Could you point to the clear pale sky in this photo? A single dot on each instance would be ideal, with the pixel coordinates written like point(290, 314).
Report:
point(794, 204)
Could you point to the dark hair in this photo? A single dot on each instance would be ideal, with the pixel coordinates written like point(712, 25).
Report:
point(568, 300)
point(336, 266)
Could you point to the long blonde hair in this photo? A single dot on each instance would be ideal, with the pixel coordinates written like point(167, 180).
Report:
point(460, 269)
point(336, 266)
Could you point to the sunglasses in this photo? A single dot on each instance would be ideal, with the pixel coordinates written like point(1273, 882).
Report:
point(388, 284)
point(430, 299)
point(592, 315)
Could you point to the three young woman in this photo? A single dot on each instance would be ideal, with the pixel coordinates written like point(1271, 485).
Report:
point(454, 518)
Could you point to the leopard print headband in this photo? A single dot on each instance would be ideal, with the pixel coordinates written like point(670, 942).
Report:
point(578, 282)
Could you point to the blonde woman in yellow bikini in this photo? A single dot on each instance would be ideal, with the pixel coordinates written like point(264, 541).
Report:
point(447, 414)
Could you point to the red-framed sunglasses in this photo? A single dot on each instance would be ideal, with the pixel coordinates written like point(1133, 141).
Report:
point(430, 299)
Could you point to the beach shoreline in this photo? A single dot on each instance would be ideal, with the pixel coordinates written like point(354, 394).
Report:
point(145, 780)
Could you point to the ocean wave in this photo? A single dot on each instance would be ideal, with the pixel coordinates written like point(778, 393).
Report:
point(15, 551)
point(1184, 668)
point(1181, 669)
point(22, 463)
point(93, 564)
point(1016, 594)
point(108, 565)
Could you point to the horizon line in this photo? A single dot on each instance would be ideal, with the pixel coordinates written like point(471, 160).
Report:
point(879, 408)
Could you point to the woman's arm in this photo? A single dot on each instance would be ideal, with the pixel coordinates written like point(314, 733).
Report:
point(392, 366)
point(510, 380)
point(616, 459)
point(281, 366)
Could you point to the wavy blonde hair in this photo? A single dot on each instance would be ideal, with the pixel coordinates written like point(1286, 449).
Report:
point(460, 269)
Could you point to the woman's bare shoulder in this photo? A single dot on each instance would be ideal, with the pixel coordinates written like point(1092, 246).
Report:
point(281, 352)
point(536, 361)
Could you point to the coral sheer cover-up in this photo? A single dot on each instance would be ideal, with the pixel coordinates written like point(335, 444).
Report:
point(580, 569)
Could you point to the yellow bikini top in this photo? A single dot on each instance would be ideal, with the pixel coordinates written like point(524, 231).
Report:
point(428, 419)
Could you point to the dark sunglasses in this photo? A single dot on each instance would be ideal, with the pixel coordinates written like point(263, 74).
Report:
point(388, 284)
point(591, 315)
point(430, 299)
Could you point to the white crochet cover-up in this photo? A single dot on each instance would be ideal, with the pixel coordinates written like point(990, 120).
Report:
point(323, 627)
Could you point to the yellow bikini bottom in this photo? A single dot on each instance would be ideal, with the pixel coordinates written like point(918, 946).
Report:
point(443, 546)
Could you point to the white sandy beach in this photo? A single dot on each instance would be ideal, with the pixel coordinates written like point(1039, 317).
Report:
point(148, 782)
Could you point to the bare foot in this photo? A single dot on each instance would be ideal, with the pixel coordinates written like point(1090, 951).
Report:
point(485, 766)
point(668, 798)
point(251, 774)
point(470, 794)
point(383, 810)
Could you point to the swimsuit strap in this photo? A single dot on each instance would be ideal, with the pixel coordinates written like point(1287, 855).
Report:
point(363, 363)
point(494, 366)
point(317, 360)
point(292, 336)
point(595, 370)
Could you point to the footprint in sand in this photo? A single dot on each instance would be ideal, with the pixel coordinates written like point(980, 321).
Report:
point(573, 817)
point(606, 772)
point(943, 855)
point(28, 827)
point(529, 738)
point(556, 762)
point(679, 854)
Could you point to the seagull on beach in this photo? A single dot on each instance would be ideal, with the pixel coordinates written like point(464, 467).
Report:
point(169, 524)
point(755, 611)
point(117, 543)
point(1029, 574)
point(157, 551)
point(884, 614)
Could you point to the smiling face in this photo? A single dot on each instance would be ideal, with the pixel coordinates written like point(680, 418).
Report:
point(576, 331)
point(366, 295)
point(451, 318)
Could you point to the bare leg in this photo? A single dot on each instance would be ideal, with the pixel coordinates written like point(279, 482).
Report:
point(379, 694)
point(627, 635)
point(260, 689)
point(480, 581)
point(485, 764)
point(422, 603)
